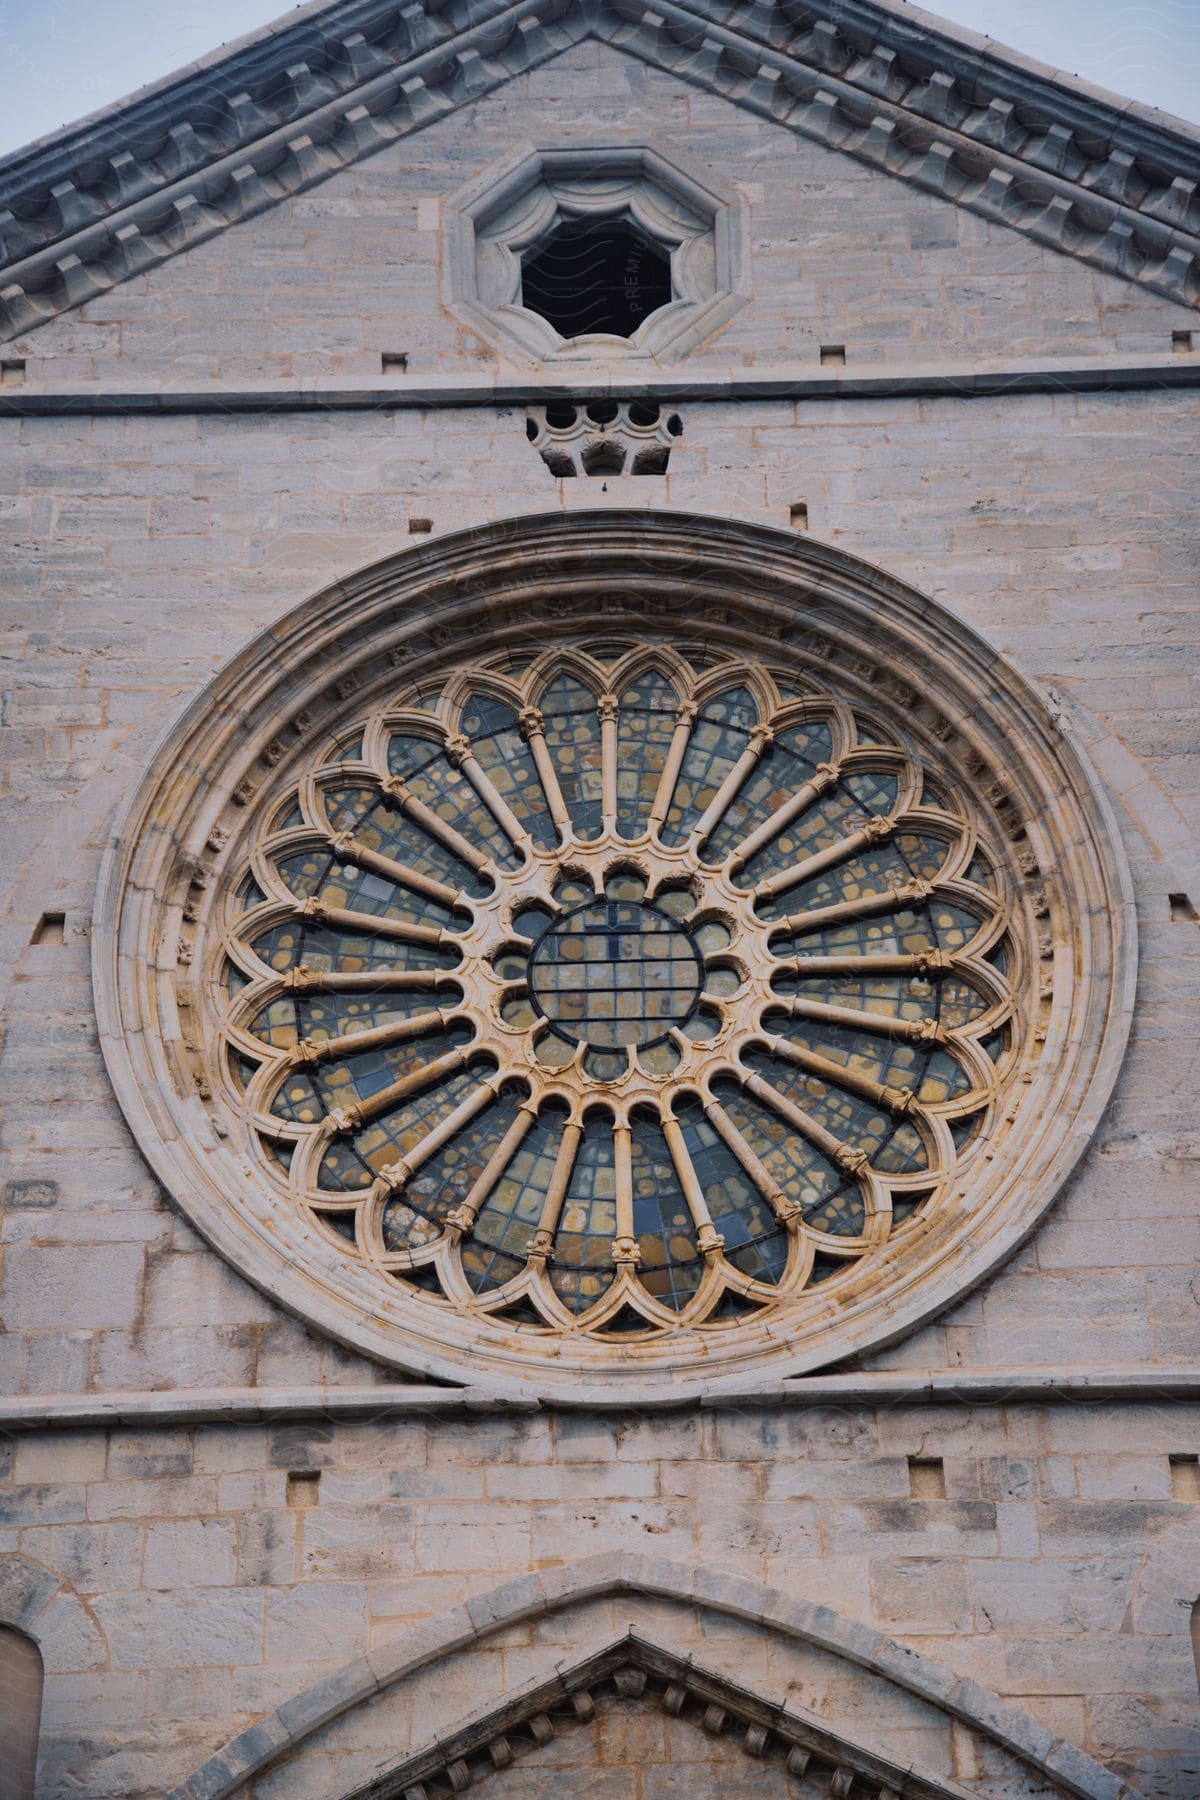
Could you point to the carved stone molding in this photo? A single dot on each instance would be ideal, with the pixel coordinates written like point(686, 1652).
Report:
point(604, 437)
point(893, 684)
point(1099, 178)
point(633, 1668)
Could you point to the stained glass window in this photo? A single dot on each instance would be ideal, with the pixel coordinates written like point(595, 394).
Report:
point(607, 1000)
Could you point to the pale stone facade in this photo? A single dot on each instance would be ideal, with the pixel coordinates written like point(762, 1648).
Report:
point(184, 458)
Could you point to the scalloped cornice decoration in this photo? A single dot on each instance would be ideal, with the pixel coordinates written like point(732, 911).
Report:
point(1110, 182)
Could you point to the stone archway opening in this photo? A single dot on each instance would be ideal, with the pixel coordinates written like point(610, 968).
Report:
point(21, 1678)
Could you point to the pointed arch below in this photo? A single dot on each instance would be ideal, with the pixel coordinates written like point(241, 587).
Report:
point(280, 1734)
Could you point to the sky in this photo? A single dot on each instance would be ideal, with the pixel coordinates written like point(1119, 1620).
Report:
point(60, 59)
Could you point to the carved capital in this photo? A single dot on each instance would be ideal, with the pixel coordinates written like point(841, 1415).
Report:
point(540, 1253)
point(901, 1101)
point(928, 1031)
point(343, 1120)
point(851, 1162)
point(910, 893)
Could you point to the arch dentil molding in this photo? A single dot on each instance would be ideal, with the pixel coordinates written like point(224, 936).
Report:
point(912, 697)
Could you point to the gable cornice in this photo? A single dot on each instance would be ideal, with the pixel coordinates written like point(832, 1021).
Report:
point(635, 1668)
point(1109, 182)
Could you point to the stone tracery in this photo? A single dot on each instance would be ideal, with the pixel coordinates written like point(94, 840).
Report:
point(637, 990)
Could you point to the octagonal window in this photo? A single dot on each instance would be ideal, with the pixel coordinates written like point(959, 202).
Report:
point(555, 252)
point(595, 275)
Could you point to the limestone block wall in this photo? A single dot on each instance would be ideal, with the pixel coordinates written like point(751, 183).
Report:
point(216, 1588)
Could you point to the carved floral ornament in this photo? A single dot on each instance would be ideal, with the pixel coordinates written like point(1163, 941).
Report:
point(632, 948)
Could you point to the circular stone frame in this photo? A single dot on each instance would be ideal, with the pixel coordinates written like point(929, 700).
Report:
point(747, 588)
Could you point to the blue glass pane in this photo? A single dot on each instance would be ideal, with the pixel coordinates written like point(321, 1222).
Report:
point(671, 1267)
point(755, 1242)
point(583, 1267)
point(573, 740)
point(354, 1162)
point(496, 1249)
point(719, 735)
point(784, 769)
point(418, 1214)
point(299, 943)
point(431, 777)
point(645, 727)
point(506, 760)
point(832, 1201)
point(379, 826)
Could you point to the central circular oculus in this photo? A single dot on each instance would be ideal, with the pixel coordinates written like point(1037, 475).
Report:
point(615, 972)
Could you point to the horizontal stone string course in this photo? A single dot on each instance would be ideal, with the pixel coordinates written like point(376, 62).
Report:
point(902, 1388)
point(786, 381)
point(62, 242)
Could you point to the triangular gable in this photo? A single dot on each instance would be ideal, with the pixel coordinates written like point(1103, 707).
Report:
point(1109, 182)
point(766, 1733)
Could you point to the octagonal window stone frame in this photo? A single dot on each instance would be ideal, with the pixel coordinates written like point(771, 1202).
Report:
point(699, 221)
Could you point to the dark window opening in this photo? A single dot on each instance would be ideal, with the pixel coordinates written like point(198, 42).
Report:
point(593, 275)
point(20, 1713)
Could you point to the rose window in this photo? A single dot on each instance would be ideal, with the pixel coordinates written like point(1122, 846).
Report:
point(615, 956)
point(620, 991)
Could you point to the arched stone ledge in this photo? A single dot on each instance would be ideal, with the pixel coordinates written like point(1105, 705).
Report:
point(44, 1606)
point(538, 1595)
